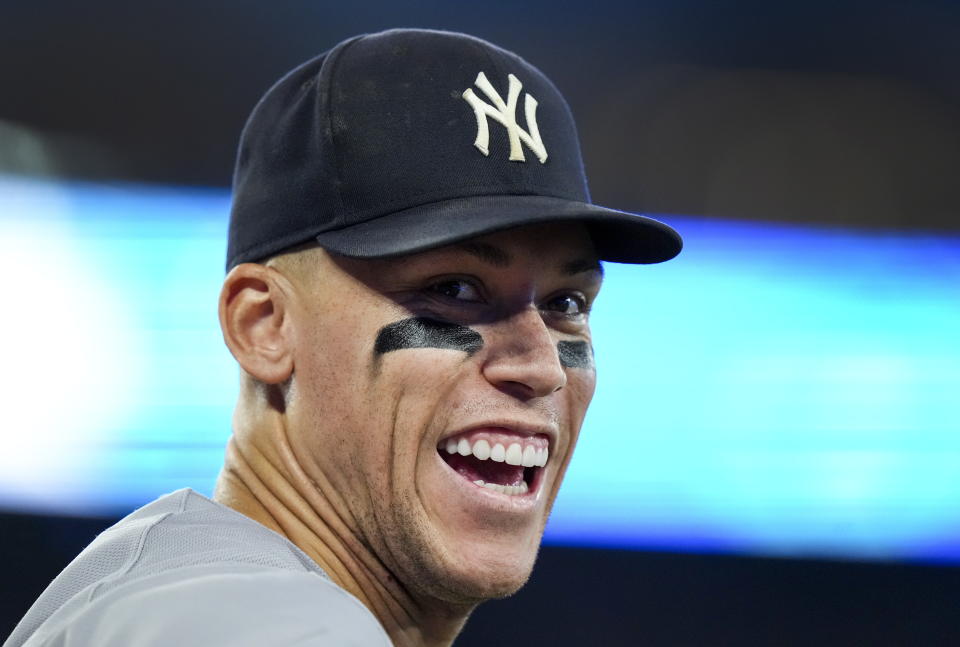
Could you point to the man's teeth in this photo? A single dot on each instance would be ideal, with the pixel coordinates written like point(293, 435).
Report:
point(528, 456)
point(505, 489)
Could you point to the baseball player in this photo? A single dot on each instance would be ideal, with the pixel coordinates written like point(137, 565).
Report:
point(411, 263)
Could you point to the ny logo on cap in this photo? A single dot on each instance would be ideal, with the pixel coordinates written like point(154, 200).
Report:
point(506, 114)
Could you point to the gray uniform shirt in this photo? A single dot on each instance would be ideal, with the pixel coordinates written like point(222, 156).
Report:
point(185, 570)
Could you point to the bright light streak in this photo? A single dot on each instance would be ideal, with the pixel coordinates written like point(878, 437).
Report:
point(791, 391)
point(775, 389)
point(70, 354)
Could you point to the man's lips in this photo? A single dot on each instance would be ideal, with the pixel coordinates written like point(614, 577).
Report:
point(498, 459)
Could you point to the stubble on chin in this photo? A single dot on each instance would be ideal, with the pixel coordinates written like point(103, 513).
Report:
point(425, 567)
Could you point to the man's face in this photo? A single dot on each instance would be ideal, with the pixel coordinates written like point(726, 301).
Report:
point(420, 381)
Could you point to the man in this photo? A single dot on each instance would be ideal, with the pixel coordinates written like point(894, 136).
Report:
point(411, 263)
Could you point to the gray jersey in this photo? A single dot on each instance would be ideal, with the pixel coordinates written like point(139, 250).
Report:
point(185, 570)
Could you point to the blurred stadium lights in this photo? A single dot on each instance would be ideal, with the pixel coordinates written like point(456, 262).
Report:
point(777, 389)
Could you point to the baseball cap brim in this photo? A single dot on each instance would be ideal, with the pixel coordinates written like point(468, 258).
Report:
point(618, 236)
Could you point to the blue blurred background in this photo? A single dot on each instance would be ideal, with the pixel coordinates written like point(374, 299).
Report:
point(786, 392)
point(777, 389)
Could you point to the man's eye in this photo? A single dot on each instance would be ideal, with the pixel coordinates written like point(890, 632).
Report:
point(457, 289)
point(567, 304)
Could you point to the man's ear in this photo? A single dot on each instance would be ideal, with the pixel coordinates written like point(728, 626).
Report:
point(254, 318)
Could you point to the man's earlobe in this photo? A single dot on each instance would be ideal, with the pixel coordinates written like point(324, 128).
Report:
point(255, 324)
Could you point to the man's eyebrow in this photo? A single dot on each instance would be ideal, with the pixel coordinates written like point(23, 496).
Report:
point(487, 253)
point(582, 265)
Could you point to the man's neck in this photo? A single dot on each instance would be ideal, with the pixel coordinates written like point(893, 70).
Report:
point(271, 491)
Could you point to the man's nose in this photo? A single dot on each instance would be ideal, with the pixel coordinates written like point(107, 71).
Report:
point(522, 357)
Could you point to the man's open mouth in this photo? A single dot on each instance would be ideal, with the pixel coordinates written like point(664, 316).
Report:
point(501, 461)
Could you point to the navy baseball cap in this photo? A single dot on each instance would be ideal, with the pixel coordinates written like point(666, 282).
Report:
point(410, 139)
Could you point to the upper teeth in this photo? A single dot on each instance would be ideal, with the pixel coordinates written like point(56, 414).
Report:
point(513, 454)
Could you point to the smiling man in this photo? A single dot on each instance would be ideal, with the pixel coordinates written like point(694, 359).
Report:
point(412, 260)
point(407, 421)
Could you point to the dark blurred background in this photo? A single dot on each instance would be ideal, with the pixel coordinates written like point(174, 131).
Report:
point(842, 114)
point(834, 112)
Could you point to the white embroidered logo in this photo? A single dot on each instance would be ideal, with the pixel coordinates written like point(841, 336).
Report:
point(506, 114)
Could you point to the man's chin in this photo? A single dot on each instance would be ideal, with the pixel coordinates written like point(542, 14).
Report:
point(469, 591)
point(464, 561)
point(476, 578)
